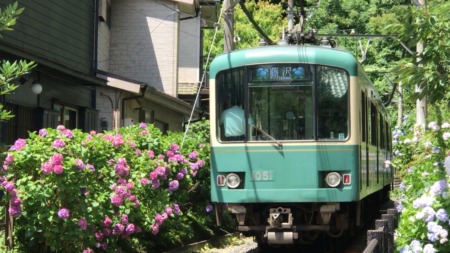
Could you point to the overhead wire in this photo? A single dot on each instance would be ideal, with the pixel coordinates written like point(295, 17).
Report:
point(216, 28)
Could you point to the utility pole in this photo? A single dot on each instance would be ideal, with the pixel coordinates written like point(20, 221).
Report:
point(400, 105)
point(228, 44)
point(421, 104)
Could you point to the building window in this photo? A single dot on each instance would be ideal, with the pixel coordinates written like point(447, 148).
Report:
point(67, 115)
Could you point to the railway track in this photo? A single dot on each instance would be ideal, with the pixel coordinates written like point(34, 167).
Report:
point(234, 243)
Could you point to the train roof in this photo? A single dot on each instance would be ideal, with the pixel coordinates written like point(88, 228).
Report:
point(286, 54)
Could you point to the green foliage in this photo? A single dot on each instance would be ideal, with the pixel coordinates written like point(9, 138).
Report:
point(112, 175)
point(268, 15)
point(429, 70)
point(10, 71)
point(8, 17)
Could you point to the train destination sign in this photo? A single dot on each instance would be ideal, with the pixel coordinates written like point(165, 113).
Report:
point(279, 73)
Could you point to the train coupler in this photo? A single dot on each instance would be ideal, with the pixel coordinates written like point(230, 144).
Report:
point(280, 229)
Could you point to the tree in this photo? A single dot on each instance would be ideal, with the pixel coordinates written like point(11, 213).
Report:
point(430, 26)
point(9, 72)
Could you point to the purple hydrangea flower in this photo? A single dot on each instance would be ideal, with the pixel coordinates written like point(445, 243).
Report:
point(15, 210)
point(156, 184)
point(142, 125)
point(442, 215)
point(82, 223)
point(79, 164)
point(130, 228)
point(193, 155)
point(176, 208)
point(43, 132)
point(124, 219)
point(173, 185)
point(439, 187)
point(180, 175)
point(209, 208)
point(63, 213)
point(118, 229)
point(68, 133)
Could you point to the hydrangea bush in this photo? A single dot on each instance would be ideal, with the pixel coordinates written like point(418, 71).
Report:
point(71, 191)
point(422, 198)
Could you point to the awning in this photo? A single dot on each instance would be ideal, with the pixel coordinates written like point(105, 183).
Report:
point(120, 82)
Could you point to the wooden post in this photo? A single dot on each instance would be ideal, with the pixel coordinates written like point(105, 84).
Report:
point(382, 226)
point(9, 220)
point(389, 218)
point(374, 235)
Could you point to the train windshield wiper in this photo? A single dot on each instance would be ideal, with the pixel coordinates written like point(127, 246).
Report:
point(267, 135)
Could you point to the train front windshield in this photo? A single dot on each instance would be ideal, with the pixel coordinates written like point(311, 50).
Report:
point(282, 102)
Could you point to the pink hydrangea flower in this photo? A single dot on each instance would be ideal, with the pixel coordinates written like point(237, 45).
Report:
point(107, 222)
point(47, 168)
point(63, 213)
point(56, 159)
point(9, 186)
point(144, 181)
point(193, 155)
point(174, 147)
point(58, 169)
point(19, 144)
point(155, 229)
point(88, 250)
point(9, 159)
point(60, 127)
point(116, 200)
point(58, 143)
point(151, 154)
point(142, 125)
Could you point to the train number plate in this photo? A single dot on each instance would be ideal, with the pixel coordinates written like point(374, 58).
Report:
point(262, 175)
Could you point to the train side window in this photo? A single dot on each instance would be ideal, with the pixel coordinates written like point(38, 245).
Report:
point(231, 106)
point(332, 103)
point(364, 116)
point(373, 124)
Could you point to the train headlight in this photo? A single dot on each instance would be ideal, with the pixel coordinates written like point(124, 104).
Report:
point(333, 179)
point(233, 180)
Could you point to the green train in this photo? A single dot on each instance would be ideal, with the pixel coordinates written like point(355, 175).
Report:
point(299, 140)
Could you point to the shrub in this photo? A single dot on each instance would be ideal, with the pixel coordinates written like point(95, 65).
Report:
point(423, 197)
point(75, 192)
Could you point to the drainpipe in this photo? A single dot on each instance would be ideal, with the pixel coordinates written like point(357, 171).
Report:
point(94, 52)
point(143, 90)
point(95, 37)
